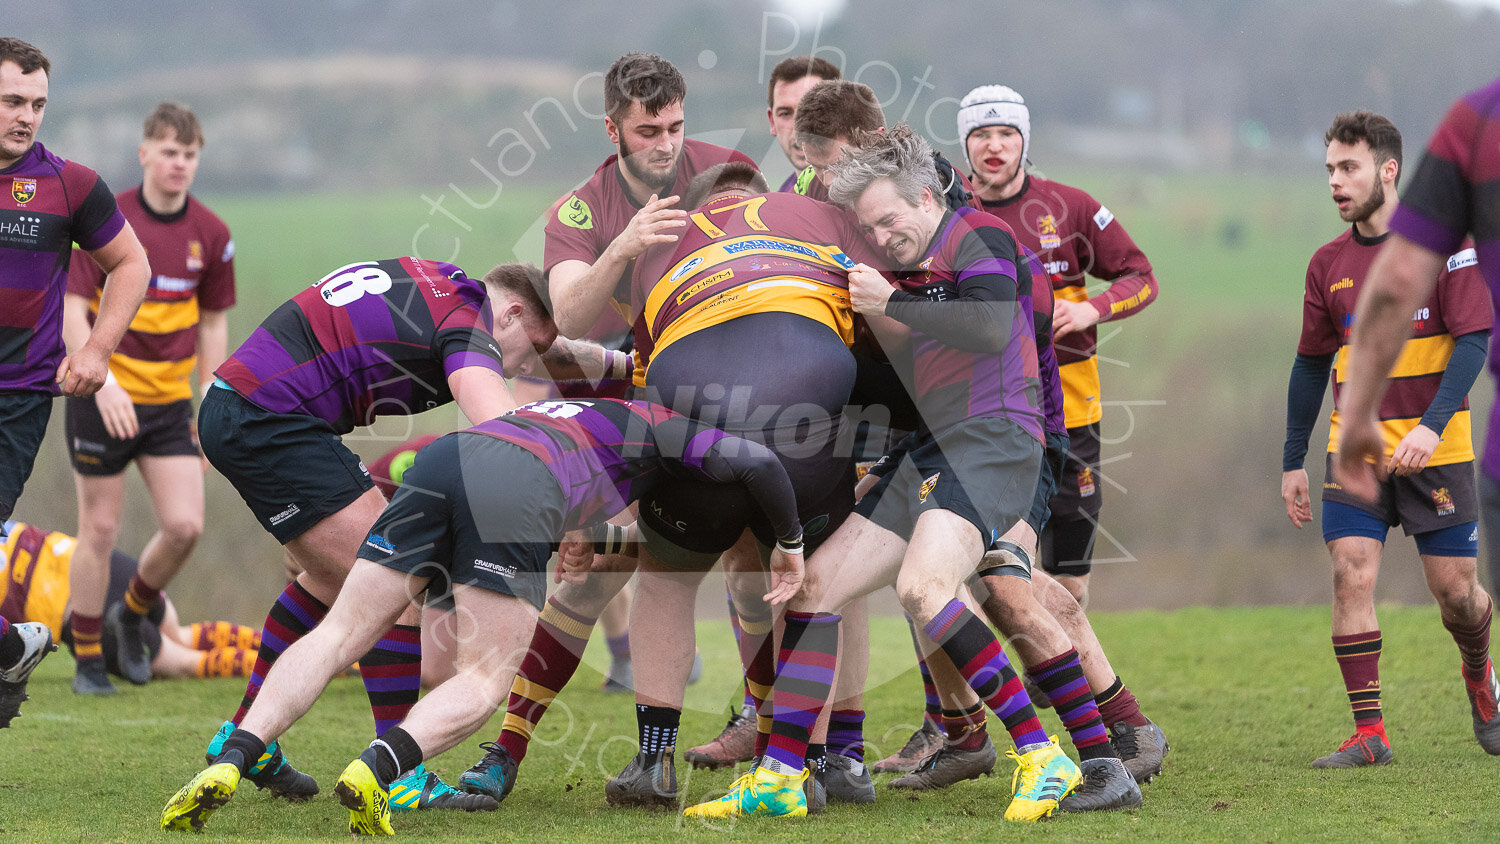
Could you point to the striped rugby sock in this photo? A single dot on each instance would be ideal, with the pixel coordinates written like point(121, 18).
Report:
point(392, 673)
point(295, 612)
point(804, 679)
point(1061, 679)
point(555, 651)
point(982, 662)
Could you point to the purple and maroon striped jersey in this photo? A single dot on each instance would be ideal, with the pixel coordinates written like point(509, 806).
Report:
point(1458, 306)
point(192, 267)
point(1456, 191)
point(583, 224)
point(607, 453)
point(375, 338)
point(51, 205)
point(1076, 237)
point(950, 384)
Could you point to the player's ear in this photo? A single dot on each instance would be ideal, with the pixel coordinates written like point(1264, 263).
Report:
point(612, 130)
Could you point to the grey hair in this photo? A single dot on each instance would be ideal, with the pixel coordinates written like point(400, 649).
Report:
point(900, 155)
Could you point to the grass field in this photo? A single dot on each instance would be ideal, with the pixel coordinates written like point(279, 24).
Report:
point(1247, 698)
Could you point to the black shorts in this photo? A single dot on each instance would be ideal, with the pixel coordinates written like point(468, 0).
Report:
point(984, 469)
point(472, 510)
point(1054, 459)
point(1078, 487)
point(166, 430)
point(292, 469)
point(23, 423)
point(1435, 498)
point(121, 569)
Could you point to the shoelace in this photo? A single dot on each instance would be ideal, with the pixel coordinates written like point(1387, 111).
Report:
point(489, 748)
point(1126, 743)
point(1026, 771)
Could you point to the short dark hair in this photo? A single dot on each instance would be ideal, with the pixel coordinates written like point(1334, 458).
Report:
point(835, 108)
point(174, 120)
point(643, 78)
point(797, 67)
point(525, 283)
point(730, 175)
point(1379, 133)
point(27, 56)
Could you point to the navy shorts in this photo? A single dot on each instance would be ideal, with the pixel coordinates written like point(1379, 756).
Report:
point(23, 423)
point(292, 469)
point(1431, 500)
point(1054, 459)
point(472, 510)
point(984, 469)
point(166, 430)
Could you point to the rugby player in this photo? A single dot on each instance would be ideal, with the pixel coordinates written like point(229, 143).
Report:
point(35, 565)
point(144, 411)
point(924, 526)
point(1075, 237)
point(483, 509)
point(790, 79)
point(52, 204)
point(1425, 453)
point(374, 338)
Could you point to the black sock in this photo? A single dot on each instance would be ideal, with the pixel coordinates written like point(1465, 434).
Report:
point(246, 745)
point(11, 647)
point(658, 727)
point(400, 754)
point(817, 757)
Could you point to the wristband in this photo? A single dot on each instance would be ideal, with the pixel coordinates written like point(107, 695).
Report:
point(618, 365)
point(611, 539)
point(793, 546)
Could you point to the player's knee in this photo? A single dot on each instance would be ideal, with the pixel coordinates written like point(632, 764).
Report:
point(922, 596)
point(182, 531)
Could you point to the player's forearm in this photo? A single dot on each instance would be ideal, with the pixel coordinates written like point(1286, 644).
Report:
point(1463, 369)
point(1126, 295)
point(580, 292)
point(124, 290)
point(213, 345)
point(75, 326)
point(970, 324)
point(1304, 401)
point(580, 360)
point(762, 474)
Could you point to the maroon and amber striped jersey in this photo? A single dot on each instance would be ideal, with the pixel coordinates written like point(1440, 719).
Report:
point(775, 252)
point(50, 205)
point(375, 338)
point(192, 267)
point(1456, 190)
point(34, 568)
point(1457, 307)
point(583, 224)
point(1076, 237)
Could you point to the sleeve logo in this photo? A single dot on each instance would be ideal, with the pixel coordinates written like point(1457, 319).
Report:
point(576, 213)
point(1459, 260)
point(1103, 217)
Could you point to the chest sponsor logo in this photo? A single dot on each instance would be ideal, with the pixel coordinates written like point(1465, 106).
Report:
point(195, 256)
point(1459, 260)
point(1342, 284)
point(722, 275)
point(1442, 501)
point(22, 190)
point(1056, 268)
point(576, 213)
point(1046, 230)
point(927, 487)
point(21, 229)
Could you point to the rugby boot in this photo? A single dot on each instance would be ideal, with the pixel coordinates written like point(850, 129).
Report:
point(271, 772)
point(420, 789)
point(130, 649)
point(1043, 777)
point(1483, 697)
point(190, 807)
point(948, 765)
point(650, 781)
point(759, 793)
point(360, 790)
point(1141, 748)
point(1358, 751)
point(36, 643)
point(735, 744)
point(923, 743)
point(494, 775)
point(1106, 785)
point(91, 678)
point(847, 780)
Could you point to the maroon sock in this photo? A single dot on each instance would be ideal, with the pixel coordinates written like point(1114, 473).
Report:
point(1358, 656)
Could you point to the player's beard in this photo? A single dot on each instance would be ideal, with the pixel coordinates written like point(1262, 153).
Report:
point(656, 182)
point(1364, 210)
